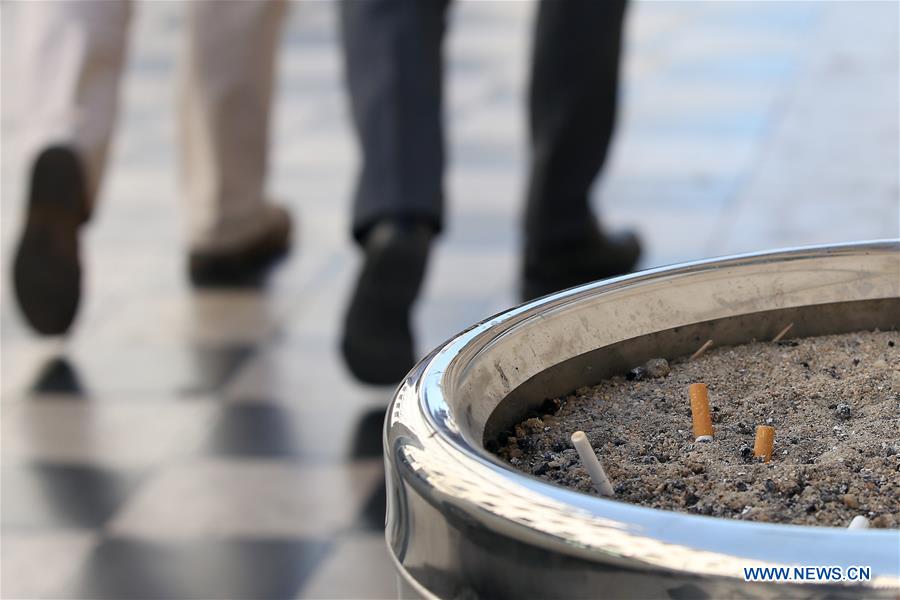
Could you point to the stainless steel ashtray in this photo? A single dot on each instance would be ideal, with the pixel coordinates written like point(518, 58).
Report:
point(461, 524)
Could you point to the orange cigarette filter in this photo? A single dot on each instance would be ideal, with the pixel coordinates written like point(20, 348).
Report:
point(700, 411)
point(765, 439)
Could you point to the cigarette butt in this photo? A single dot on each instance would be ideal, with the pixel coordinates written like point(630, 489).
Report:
point(592, 464)
point(783, 332)
point(703, 429)
point(701, 350)
point(859, 522)
point(765, 439)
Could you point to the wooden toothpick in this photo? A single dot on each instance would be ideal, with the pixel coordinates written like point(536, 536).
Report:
point(702, 349)
point(783, 332)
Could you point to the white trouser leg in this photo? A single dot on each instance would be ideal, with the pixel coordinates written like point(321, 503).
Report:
point(70, 57)
point(224, 108)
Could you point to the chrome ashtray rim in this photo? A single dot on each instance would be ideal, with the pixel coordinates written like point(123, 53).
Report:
point(427, 446)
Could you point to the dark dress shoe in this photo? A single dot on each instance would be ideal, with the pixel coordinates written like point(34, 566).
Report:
point(377, 342)
point(247, 264)
point(47, 268)
point(597, 257)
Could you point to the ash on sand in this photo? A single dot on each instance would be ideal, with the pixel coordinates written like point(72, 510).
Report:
point(834, 402)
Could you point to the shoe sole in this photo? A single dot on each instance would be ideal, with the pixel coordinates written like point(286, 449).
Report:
point(244, 268)
point(534, 287)
point(47, 269)
point(236, 272)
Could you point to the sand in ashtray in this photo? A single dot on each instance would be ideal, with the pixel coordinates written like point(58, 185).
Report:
point(834, 402)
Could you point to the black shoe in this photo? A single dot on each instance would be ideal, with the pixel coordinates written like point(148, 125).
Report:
point(597, 257)
point(247, 264)
point(377, 343)
point(47, 268)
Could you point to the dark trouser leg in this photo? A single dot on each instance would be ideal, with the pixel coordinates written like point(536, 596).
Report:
point(573, 92)
point(572, 103)
point(394, 70)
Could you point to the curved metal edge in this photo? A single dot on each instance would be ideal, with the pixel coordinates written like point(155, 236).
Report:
point(408, 586)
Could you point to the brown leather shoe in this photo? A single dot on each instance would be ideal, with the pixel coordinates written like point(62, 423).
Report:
point(247, 264)
point(47, 268)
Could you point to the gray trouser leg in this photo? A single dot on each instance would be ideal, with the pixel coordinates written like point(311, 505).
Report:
point(394, 70)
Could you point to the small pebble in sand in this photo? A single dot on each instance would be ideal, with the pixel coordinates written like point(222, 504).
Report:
point(884, 521)
point(842, 411)
point(657, 367)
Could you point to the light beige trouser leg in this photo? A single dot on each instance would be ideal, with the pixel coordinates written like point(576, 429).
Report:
point(226, 92)
point(70, 57)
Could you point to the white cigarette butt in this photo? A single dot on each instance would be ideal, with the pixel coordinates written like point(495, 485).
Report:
point(592, 464)
point(782, 333)
point(859, 522)
point(704, 438)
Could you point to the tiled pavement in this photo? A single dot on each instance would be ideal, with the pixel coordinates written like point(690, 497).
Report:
point(212, 445)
